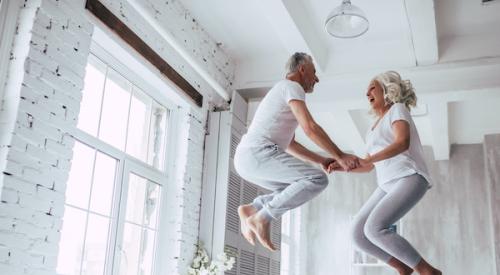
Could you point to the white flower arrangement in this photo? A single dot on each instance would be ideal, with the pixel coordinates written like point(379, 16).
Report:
point(202, 265)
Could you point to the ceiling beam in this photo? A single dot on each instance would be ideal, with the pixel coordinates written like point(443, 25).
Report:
point(132, 39)
point(422, 28)
point(294, 28)
point(438, 118)
point(218, 78)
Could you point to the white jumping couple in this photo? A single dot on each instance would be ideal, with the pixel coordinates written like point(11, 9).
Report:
point(269, 156)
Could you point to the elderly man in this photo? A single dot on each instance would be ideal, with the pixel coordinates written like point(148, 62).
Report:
point(269, 156)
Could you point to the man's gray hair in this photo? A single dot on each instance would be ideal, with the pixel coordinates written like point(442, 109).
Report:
point(296, 60)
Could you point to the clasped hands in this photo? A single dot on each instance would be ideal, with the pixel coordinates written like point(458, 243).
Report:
point(346, 162)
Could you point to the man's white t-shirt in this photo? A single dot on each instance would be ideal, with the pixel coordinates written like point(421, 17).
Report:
point(404, 164)
point(274, 120)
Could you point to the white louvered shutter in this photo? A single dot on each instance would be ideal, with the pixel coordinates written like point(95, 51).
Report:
point(233, 201)
point(247, 263)
point(250, 260)
point(263, 265)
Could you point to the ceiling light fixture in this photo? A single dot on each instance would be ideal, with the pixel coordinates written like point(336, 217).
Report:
point(346, 21)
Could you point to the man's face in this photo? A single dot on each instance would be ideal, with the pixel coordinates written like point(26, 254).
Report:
point(309, 77)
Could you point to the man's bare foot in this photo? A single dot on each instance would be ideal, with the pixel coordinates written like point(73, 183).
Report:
point(245, 211)
point(262, 228)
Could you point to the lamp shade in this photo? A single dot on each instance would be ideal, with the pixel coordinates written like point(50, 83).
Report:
point(346, 21)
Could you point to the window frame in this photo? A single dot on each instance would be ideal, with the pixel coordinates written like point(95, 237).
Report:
point(9, 12)
point(127, 163)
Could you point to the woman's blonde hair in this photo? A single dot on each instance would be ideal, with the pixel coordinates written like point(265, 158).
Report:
point(396, 90)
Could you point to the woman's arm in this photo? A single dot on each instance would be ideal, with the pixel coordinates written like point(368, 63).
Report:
point(401, 132)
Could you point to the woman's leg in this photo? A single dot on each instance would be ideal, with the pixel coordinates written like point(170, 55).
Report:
point(361, 242)
point(401, 198)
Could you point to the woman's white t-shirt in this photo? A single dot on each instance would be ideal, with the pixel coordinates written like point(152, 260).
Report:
point(404, 164)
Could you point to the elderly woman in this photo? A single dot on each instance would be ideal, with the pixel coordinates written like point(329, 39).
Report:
point(394, 149)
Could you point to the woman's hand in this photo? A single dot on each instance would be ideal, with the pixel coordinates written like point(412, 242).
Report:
point(364, 165)
point(365, 161)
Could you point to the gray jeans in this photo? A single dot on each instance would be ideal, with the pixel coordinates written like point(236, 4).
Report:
point(370, 232)
point(291, 180)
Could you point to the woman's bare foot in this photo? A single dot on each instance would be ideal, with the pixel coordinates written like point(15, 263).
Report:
point(245, 211)
point(424, 268)
point(262, 228)
point(431, 272)
point(400, 267)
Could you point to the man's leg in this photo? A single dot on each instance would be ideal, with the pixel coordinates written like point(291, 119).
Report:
point(295, 181)
point(246, 165)
point(247, 210)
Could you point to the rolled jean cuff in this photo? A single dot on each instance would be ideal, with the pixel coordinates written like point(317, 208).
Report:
point(257, 205)
point(266, 214)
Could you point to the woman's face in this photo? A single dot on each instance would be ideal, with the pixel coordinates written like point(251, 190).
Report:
point(375, 95)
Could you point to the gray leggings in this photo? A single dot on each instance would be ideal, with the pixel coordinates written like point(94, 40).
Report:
point(370, 230)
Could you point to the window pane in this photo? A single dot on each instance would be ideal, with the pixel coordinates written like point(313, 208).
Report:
point(115, 110)
point(103, 183)
point(156, 155)
point(135, 199)
point(152, 204)
point(90, 106)
point(71, 243)
point(147, 254)
point(80, 176)
point(285, 258)
point(129, 261)
point(285, 223)
point(95, 245)
point(138, 128)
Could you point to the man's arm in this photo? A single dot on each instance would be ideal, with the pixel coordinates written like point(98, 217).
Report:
point(299, 151)
point(318, 135)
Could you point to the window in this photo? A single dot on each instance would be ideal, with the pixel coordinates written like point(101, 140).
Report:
point(117, 181)
point(290, 242)
point(285, 244)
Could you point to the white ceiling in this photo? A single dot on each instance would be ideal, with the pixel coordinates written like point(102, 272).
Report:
point(450, 49)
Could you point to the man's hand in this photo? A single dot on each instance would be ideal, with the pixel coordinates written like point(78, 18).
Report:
point(362, 163)
point(350, 161)
point(326, 165)
point(335, 166)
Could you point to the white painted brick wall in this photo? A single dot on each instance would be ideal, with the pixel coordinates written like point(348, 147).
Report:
point(43, 96)
point(183, 235)
point(42, 103)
